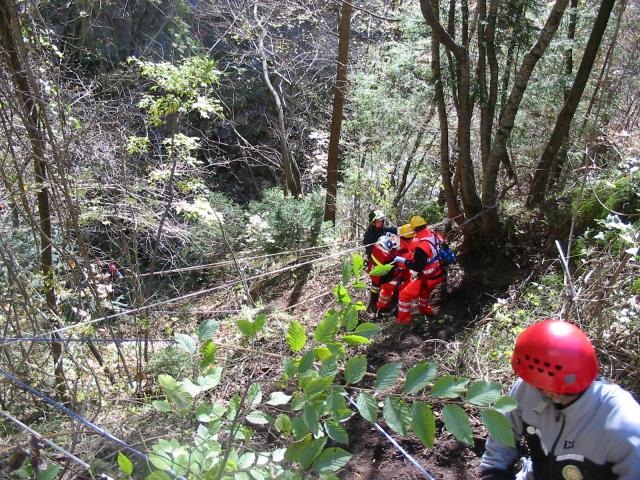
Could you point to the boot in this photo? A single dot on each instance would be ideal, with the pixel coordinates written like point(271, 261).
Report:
point(373, 301)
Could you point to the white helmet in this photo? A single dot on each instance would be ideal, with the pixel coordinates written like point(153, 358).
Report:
point(389, 242)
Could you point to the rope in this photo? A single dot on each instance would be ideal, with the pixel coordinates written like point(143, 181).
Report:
point(415, 463)
point(69, 455)
point(86, 340)
point(16, 381)
point(194, 294)
point(227, 262)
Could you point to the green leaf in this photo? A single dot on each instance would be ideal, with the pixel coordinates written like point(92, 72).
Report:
point(329, 367)
point(355, 369)
point(317, 385)
point(306, 362)
point(448, 387)
point(162, 406)
point(419, 376)
point(160, 461)
point(283, 424)
point(386, 375)
point(321, 353)
point(249, 328)
point(483, 393)
point(258, 418)
point(505, 404)
point(254, 395)
point(299, 428)
point(367, 406)
point(158, 476)
point(185, 342)
point(424, 423)
point(358, 264)
point(124, 464)
point(208, 351)
point(207, 329)
point(397, 415)
point(350, 318)
point(167, 382)
point(296, 338)
point(49, 473)
point(336, 432)
point(335, 402)
point(342, 296)
point(346, 272)
point(457, 422)
point(290, 368)
point(209, 413)
point(354, 340)
point(210, 380)
point(310, 417)
point(381, 270)
point(326, 329)
point(367, 330)
point(499, 427)
point(278, 398)
point(337, 349)
point(331, 460)
point(305, 451)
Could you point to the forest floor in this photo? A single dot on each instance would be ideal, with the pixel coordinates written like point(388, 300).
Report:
point(456, 310)
point(306, 295)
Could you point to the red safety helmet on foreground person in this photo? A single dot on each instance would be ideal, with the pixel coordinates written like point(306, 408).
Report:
point(555, 356)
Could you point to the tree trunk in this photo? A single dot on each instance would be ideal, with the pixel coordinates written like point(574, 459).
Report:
point(481, 75)
point(490, 224)
point(453, 210)
point(603, 78)
point(336, 116)
point(11, 39)
point(565, 117)
point(470, 199)
point(290, 168)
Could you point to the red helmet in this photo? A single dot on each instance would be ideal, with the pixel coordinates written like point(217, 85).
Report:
point(555, 356)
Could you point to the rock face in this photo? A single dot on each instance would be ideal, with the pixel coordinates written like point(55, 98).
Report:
point(104, 34)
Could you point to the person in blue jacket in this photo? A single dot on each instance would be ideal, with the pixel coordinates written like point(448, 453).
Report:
point(576, 427)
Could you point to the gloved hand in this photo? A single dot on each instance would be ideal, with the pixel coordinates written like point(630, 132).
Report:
point(494, 474)
point(400, 260)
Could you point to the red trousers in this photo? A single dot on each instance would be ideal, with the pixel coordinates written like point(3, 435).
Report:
point(417, 290)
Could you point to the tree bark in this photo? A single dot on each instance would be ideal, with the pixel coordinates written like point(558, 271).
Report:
point(336, 116)
point(490, 223)
point(11, 38)
point(565, 117)
point(453, 210)
point(470, 198)
point(290, 168)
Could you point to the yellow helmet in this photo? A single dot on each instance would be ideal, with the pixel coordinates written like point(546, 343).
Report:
point(417, 221)
point(406, 231)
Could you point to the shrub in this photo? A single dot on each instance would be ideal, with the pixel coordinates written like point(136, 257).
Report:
point(171, 361)
point(279, 223)
point(620, 196)
point(209, 216)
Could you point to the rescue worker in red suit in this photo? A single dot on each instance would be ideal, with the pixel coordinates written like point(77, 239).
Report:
point(382, 253)
point(401, 275)
point(375, 230)
point(430, 272)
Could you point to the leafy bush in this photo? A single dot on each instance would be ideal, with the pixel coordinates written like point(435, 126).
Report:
point(211, 216)
point(171, 361)
point(619, 196)
point(278, 223)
